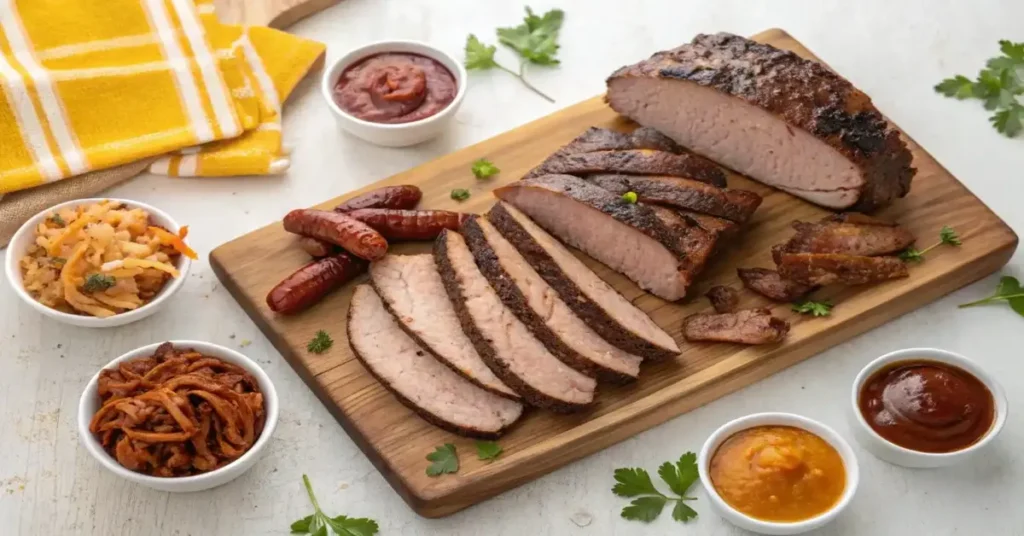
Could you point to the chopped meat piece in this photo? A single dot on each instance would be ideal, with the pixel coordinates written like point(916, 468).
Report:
point(771, 285)
point(688, 194)
point(723, 299)
point(848, 238)
point(828, 268)
point(749, 326)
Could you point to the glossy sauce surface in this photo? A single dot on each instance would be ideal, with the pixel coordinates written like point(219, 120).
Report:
point(927, 406)
point(395, 87)
point(778, 473)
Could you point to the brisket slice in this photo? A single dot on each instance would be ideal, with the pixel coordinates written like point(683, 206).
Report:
point(538, 306)
point(413, 292)
point(688, 194)
point(771, 115)
point(593, 300)
point(771, 285)
point(631, 161)
point(723, 299)
point(629, 238)
point(419, 381)
point(698, 244)
point(849, 238)
point(828, 268)
point(749, 326)
point(505, 343)
point(721, 228)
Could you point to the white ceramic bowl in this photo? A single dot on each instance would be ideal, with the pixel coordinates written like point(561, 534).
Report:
point(895, 454)
point(26, 236)
point(399, 134)
point(747, 522)
point(90, 403)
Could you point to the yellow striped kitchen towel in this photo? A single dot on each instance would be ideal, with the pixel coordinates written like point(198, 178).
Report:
point(92, 84)
point(275, 62)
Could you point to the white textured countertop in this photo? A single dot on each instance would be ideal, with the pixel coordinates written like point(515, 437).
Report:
point(893, 50)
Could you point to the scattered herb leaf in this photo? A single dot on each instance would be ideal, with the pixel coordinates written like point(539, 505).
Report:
point(535, 40)
point(460, 194)
point(488, 450)
point(98, 282)
point(1008, 290)
point(629, 197)
point(484, 168)
point(318, 522)
point(320, 343)
point(813, 308)
point(443, 460)
point(55, 218)
point(947, 236)
point(997, 86)
point(648, 502)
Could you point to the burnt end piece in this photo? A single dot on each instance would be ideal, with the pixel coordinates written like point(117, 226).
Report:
point(723, 299)
point(828, 268)
point(771, 285)
point(749, 326)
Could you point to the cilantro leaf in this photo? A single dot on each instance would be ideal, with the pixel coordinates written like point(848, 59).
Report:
point(484, 168)
point(959, 87)
point(948, 236)
point(98, 282)
point(536, 40)
point(550, 22)
point(1009, 121)
point(460, 194)
point(911, 254)
point(57, 219)
point(317, 523)
point(1008, 290)
point(822, 308)
point(302, 526)
point(683, 512)
point(1014, 51)
point(444, 460)
point(644, 509)
point(348, 526)
point(488, 450)
point(320, 343)
point(633, 481)
point(681, 475)
point(479, 55)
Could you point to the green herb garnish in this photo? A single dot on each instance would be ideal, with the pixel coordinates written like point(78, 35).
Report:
point(822, 308)
point(55, 218)
point(999, 86)
point(535, 40)
point(484, 168)
point(320, 342)
point(488, 450)
point(649, 502)
point(946, 236)
point(460, 194)
point(318, 522)
point(629, 197)
point(443, 460)
point(98, 282)
point(1008, 290)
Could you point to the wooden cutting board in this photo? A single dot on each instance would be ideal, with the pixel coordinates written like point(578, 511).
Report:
point(396, 440)
point(274, 13)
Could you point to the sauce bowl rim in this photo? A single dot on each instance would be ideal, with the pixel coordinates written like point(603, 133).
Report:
point(1001, 406)
point(367, 50)
point(755, 420)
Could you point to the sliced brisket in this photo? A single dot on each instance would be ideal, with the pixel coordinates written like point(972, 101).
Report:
point(828, 268)
point(749, 326)
point(771, 285)
point(688, 194)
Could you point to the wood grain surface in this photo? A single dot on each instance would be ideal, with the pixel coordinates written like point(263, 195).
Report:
point(274, 13)
point(396, 440)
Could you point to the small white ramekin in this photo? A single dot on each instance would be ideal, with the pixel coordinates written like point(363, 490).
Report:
point(747, 522)
point(397, 134)
point(26, 236)
point(895, 454)
point(90, 403)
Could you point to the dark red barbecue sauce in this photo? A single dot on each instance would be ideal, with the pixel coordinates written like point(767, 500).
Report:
point(395, 87)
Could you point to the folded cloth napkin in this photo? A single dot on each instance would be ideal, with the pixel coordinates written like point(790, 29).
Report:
point(90, 85)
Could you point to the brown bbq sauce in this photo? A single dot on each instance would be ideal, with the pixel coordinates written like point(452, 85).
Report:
point(927, 406)
point(395, 87)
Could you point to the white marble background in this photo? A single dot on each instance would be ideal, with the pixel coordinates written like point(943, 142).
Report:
point(894, 50)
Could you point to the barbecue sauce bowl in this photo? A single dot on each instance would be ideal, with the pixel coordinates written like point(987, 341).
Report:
point(394, 93)
point(924, 407)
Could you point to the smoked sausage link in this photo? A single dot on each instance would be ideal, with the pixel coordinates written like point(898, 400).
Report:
point(314, 281)
point(315, 247)
point(402, 197)
point(409, 224)
point(339, 229)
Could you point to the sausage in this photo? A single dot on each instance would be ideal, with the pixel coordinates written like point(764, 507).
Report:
point(314, 281)
point(337, 228)
point(315, 247)
point(403, 197)
point(409, 224)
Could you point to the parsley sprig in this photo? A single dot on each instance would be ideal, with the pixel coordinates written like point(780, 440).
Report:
point(320, 343)
point(813, 308)
point(318, 522)
point(443, 460)
point(488, 451)
point(535, 40)
point(1009, 291)
point(98, 282)
point(947, 236)
point(999, 86)
point(484, 168)
point(649, 502)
